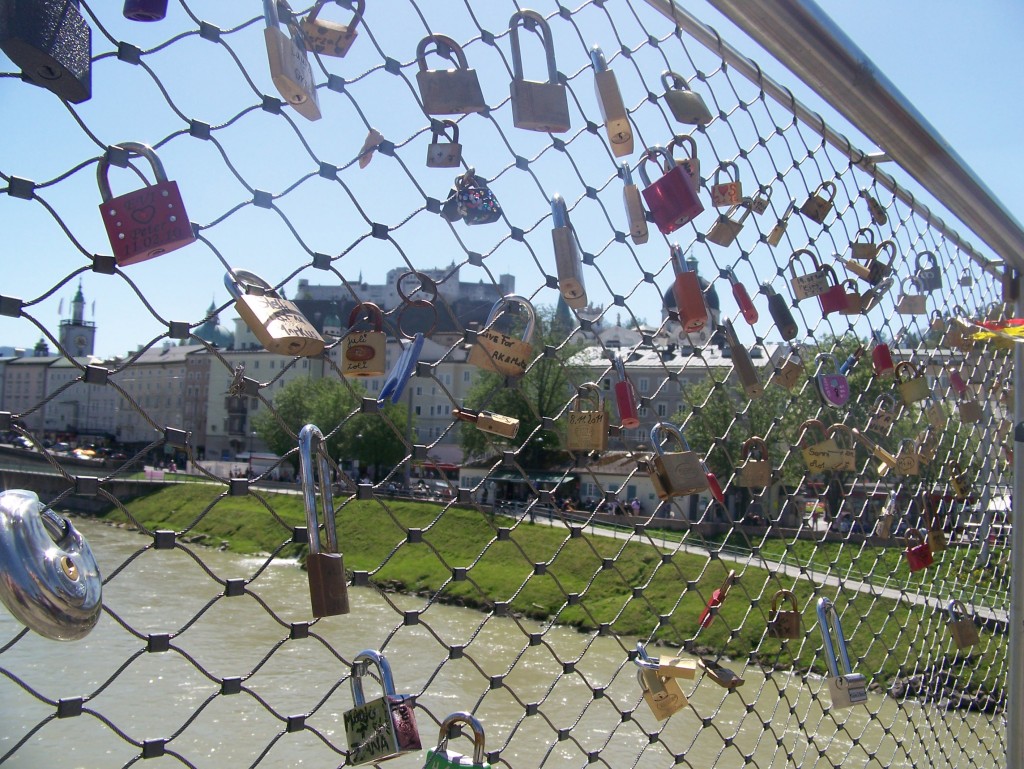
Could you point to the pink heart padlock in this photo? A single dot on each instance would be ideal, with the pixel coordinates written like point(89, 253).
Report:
point(834, 389)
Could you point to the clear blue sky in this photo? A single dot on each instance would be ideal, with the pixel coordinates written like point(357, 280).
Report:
point(958, 63)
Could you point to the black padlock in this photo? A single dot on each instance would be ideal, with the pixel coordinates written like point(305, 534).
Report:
point(51, 42)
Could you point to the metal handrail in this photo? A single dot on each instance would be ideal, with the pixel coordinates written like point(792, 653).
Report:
point(804, 39)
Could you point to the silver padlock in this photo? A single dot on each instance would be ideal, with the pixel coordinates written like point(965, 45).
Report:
point(447, 91)
point(537, 106)
point(635, 215)
point(846, 688)
point(567, 256)
point(444, 154)
point(675, 474)
point(613, 111)
point(289, 62)
point(687, 106)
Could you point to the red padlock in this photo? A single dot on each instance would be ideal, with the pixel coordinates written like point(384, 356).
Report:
point(957, 382)
point(739, 293)
point(835, 298)
point(919, 556)
point(881, 361)
point(672, 199)
point(625, 397)
point(690, 304)
point(145, 223)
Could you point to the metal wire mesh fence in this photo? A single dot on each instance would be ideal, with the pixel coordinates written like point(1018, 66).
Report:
point(518, 583)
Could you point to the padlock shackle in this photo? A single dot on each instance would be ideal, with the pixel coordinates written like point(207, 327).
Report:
point(913, 282)
point(373, 315)
point(462, 717)
point(902, 366)
point(891, 248)
point(620, 369)
point(828, 621)
point(532, 21)
point(499, 307)
point(827, 185)
point(679, 140)
point(788, 212)
point(582, 391)
point(672, 430)
point(439, 128)
point(913, 537)
point(559, 212)
point(751, 442)
point(643, 659)
point(650, 154)
point(821, 357)
point(673, 81)
point(351, 26)
point(241, 283)
point(270, 14)
point(807, 425)
point(954, 607)
point(361, 665)
point(310, 440)
point(865, 231)
point(679, 265)
point(723, 166)
point(923, 254)
point(444, 47)
point(795, 259)
point(785, 595)
point(142, 150)
point(598, 60)
point(627, 174)
point(836, 428)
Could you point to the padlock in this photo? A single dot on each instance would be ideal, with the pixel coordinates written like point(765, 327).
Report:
point(328, 592)
point(959, 481)
point(743, 300)
point(537, 106)
point(625, 397)
point(754, 472)
point(51, 42)
point(446, 154)
point(588, 430)
point(667, 667)
point(329, 38)
point(883, 526)
point(954, 336)
point(690, 163)
point(147, 222)
point(844, 686)
point(144, 10)
point(687, 106)
point(363, 352)
point(881, 361)
point(875, 210)
point(935, 414)
point(961, 625)
point(863, 248)
point(966, 278)
point(907, 461)
point(817, 206)
point(810, 284)
point(496, 350)
point(442, 757)
point(567, 256)
point(854, 301)
point(846, 456)
point(918, 554)
point(759, 203)
point(690, 305)
point(742, 363)
point(471, 200)
point(489, 422)
point(447, 91)
point(822, 456)
point(678, 473)
point(277, 323)
point(791, 372)
point(775, 236)
point(937, 323)
point(913, 387)
point(927, 445)
point(884, 414)
point(382, 728)
point(719, 674)
point(911, 304)
point(870, 298)
point(724, 231)
point(834, 298)
point(49, 580)
point(936, 536)
point(672, 199)
point(886, 460)
point(778, 308)
point(878, 269)
point(729, 192)
point(833, 388)
point(289, 64)
point(928, 276)
point(613, 111)
point(784, 623)
point(968, 408)
point(635, 217)
point(663, 695)
point(716, 600)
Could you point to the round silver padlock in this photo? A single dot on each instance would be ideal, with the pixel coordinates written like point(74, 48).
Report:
point(49, 579)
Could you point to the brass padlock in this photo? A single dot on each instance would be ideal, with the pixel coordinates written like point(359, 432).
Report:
point(969, 409)
point(784, 623)
point(489, 422)
point(537, 106)
point(289, 65)
point(51, 42)
point(363, 352)
point(729, 192)
point(447, 91)
point(687, 106)
point(328, 592)
point(864, 249)
point(870, 298)
point(959, 481)
point(567, 256)
point(854, 301)
point(955, 336)
point(277, 324)
point(846, 459)
point(382, 728)
point(927, 445)
point(588, 430)
point(817, 206)
point(791, 372)
point(754, 472)
point(690, 162)
point(631, 200)
point(935, 413)
point(497, 351)
point(444, 154)
point(907, 461)
point(775, 236)
point(961, 625)
point(884, 414)
point(661, 694)
point(613, 111)
point(724, 231)
point(845, 687)
point(911, 304)
point(913, 387)
point(329, 38)
point(823, 455)
point(667, 667)
point(742, 363)
point(809, 284)
point(675, 474)
point(759, 203)
point(719, 674)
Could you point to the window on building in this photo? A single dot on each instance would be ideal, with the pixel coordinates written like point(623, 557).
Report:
point(662, 410)
point(643, 384)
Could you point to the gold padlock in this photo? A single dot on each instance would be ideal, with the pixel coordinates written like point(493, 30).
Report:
point(959, 481)
point(661, 694)
point(588, 430)
point(823, 455)
point(489, 422)
point(961, 625)
point(729, 192)
point(911, 304)
point(448, 91)
point(363, 352)
point(791, 372)
point(775, 236)
point(887, 460)
point(329, 38)
point(907, 461)
point(613, 111)
point(635, 217)
point(913, 388)
point(667, 667)
point(724, 231)
point(864, 249)
point(854, 301)
point(675, 474)
point(784, 623)
point(754, 472)
point(276, 323)
point(884, 414)
point(536, 106)
point(883, 526)
point(936, 536)
point(817, 206)
point(847, 457)
point(497, 351)
point(760, 202)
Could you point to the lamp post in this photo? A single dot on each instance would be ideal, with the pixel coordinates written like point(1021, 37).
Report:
point(252, 437)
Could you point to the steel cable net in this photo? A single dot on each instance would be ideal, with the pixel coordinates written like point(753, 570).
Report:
point(235, 670)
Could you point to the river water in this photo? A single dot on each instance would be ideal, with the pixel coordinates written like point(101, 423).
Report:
point(174, 695)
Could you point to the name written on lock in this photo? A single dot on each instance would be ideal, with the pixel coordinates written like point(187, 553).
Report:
point(502, 343)
point(586, 417)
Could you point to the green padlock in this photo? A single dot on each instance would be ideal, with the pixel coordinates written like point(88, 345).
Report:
point(443, 758)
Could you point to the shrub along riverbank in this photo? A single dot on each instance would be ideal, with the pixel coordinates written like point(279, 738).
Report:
point(587, 581)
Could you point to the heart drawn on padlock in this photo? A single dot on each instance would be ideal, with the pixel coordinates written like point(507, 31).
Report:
point(144, 215)
point(835, 389)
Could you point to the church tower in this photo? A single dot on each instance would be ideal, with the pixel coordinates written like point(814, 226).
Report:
point(77, 335)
